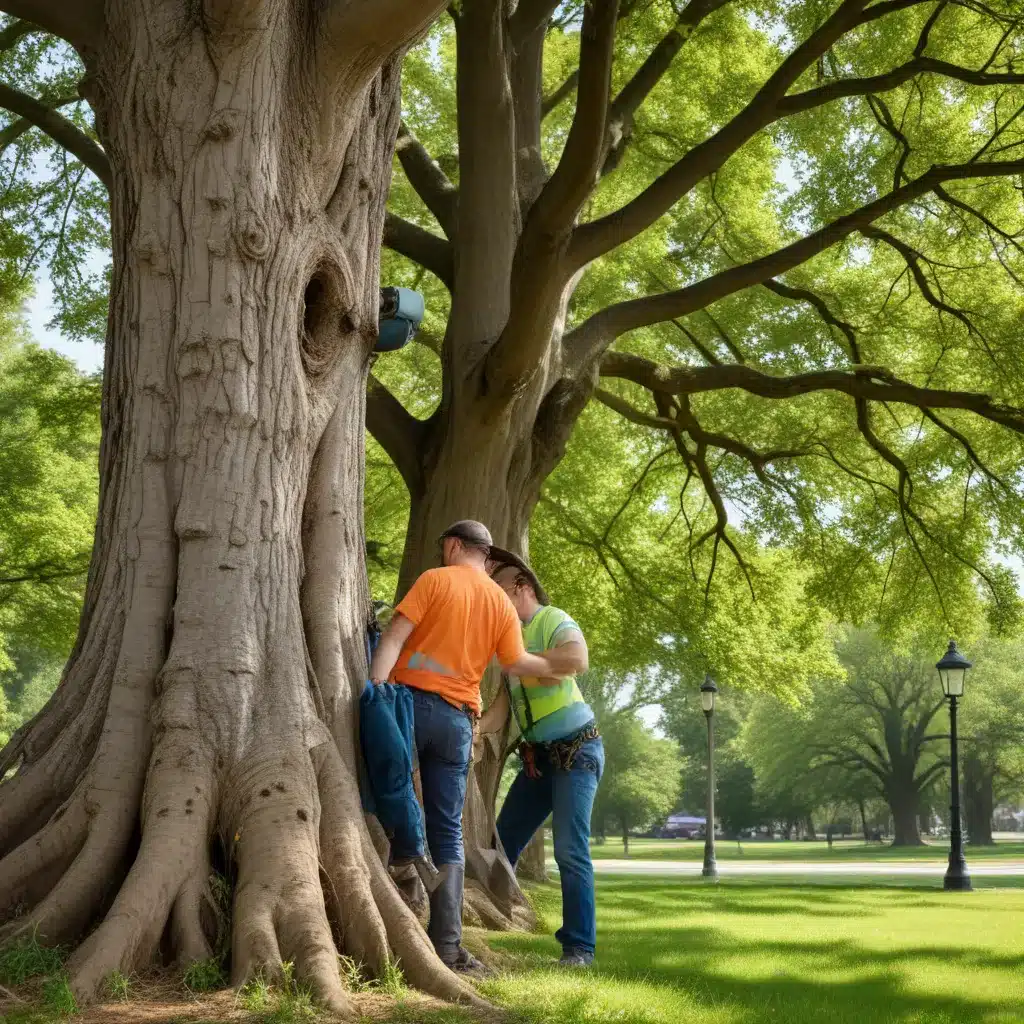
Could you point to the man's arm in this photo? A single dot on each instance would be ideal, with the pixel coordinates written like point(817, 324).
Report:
point(529, 665)
point(569, 656)
point(493, 719)
point(390, 647)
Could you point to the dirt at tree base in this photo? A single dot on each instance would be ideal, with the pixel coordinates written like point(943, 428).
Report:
point(161, 998)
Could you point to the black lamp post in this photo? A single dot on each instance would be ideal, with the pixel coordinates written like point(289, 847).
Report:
point(952, 672)
point(707, 701)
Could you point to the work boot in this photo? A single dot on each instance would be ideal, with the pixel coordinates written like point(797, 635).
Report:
point(445, 928)
point(573, 956)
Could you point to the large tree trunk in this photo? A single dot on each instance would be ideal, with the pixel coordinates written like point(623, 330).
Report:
point(532, 864)
point(979, 800)
point(206, 717)
point(903, 803)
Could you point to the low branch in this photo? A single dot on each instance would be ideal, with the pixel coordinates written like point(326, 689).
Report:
point(80, 22)
point(432, 185)
point(60, 129)
point(421, 246)
point(595, 334)
point(15, 31)
point(397, 431)
point(866, 382)
point(15, 130)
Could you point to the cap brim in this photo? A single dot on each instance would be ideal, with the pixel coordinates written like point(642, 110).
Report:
point(503, 558)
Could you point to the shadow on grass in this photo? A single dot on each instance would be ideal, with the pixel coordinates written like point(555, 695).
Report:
point(653, 967)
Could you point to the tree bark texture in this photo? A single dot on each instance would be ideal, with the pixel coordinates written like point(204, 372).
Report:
point(979, 800)
point(206, 718)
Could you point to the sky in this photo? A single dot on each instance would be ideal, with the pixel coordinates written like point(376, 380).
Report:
point(40, 311)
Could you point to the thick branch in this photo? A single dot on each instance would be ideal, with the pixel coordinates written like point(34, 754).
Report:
point(397, 431)
point(869, 383)
point(890, 80)
point(60, 129)
point(574, 177)
point(648, 75)
point(426, 177)
point(15, 130)
point(15, 31)
point(530, 16)
point(419, 245)
point(80, 22)
point(596, 333)
point(565, 90)
point(608, 232)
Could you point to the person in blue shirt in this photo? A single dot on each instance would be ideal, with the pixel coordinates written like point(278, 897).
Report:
point(561, 754)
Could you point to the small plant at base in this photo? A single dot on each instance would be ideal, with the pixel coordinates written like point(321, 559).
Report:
point(255, 994)
point(203, 976)
point(352, 974)
point(25, 958)
point(392, 981)
point(58, 996)
point(118, 986)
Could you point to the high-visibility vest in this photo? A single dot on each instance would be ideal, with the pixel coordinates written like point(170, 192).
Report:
point(532, 703)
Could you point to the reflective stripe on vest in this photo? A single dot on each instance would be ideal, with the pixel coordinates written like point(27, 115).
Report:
point(530, 704)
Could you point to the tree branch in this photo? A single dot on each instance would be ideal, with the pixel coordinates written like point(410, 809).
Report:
point(432, 185)
point(397, 431)
point(15, 130)
point(530, 15)
point(60, 129)
point(420, 246)
point(647, 76)
point(596, 333)
point(573, 178)
point(812, 98)
point(566, 89)
point(866, 382)
point(819, 304)
point(15, 31)
point(80, 22)
point(606, 233)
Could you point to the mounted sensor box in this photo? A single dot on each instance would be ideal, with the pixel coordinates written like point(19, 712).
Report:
point(401, 312)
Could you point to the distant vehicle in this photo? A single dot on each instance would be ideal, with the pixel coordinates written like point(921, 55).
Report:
point(683, 826)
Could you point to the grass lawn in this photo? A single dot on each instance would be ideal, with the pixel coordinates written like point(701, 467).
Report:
point(744, 953)
point(681, 951)
point(845, 849)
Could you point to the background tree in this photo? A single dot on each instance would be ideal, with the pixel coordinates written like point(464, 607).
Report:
point(49, 439)
point(205, 718)
point(993, 736)
point(640, 785)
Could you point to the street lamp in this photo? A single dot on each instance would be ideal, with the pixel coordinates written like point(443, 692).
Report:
point(952, 672)
point(707, 702)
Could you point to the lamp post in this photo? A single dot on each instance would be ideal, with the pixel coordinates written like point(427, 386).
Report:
point(952, 672)
point(707, 702)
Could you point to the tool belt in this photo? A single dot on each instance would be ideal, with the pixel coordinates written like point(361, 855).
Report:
point(560, 754)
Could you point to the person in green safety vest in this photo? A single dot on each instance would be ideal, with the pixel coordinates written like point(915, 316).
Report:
point(561, 754)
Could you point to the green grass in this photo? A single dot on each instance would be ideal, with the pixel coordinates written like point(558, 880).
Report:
point(25, 958)
point(846, 849)
point(203, 976)
point(740, 953)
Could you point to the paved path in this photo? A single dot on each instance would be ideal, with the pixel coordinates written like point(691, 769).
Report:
point(738, 868)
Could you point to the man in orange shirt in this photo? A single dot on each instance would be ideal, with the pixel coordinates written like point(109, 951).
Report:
point(439, 642)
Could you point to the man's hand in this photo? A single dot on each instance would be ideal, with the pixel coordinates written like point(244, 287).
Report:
point(390, 647)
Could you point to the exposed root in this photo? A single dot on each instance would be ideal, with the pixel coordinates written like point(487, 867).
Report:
point(420, 964)
point(29, 872)
point(279, 903)
point(361, 929)
point(187, 932)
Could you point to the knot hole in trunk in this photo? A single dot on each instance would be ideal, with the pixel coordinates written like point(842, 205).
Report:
point(326, 321)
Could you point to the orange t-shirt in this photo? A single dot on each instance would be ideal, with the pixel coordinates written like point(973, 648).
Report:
point(461, 619)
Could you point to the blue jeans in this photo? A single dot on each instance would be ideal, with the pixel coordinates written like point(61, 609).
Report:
point(444, 743)
point(569, 797)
